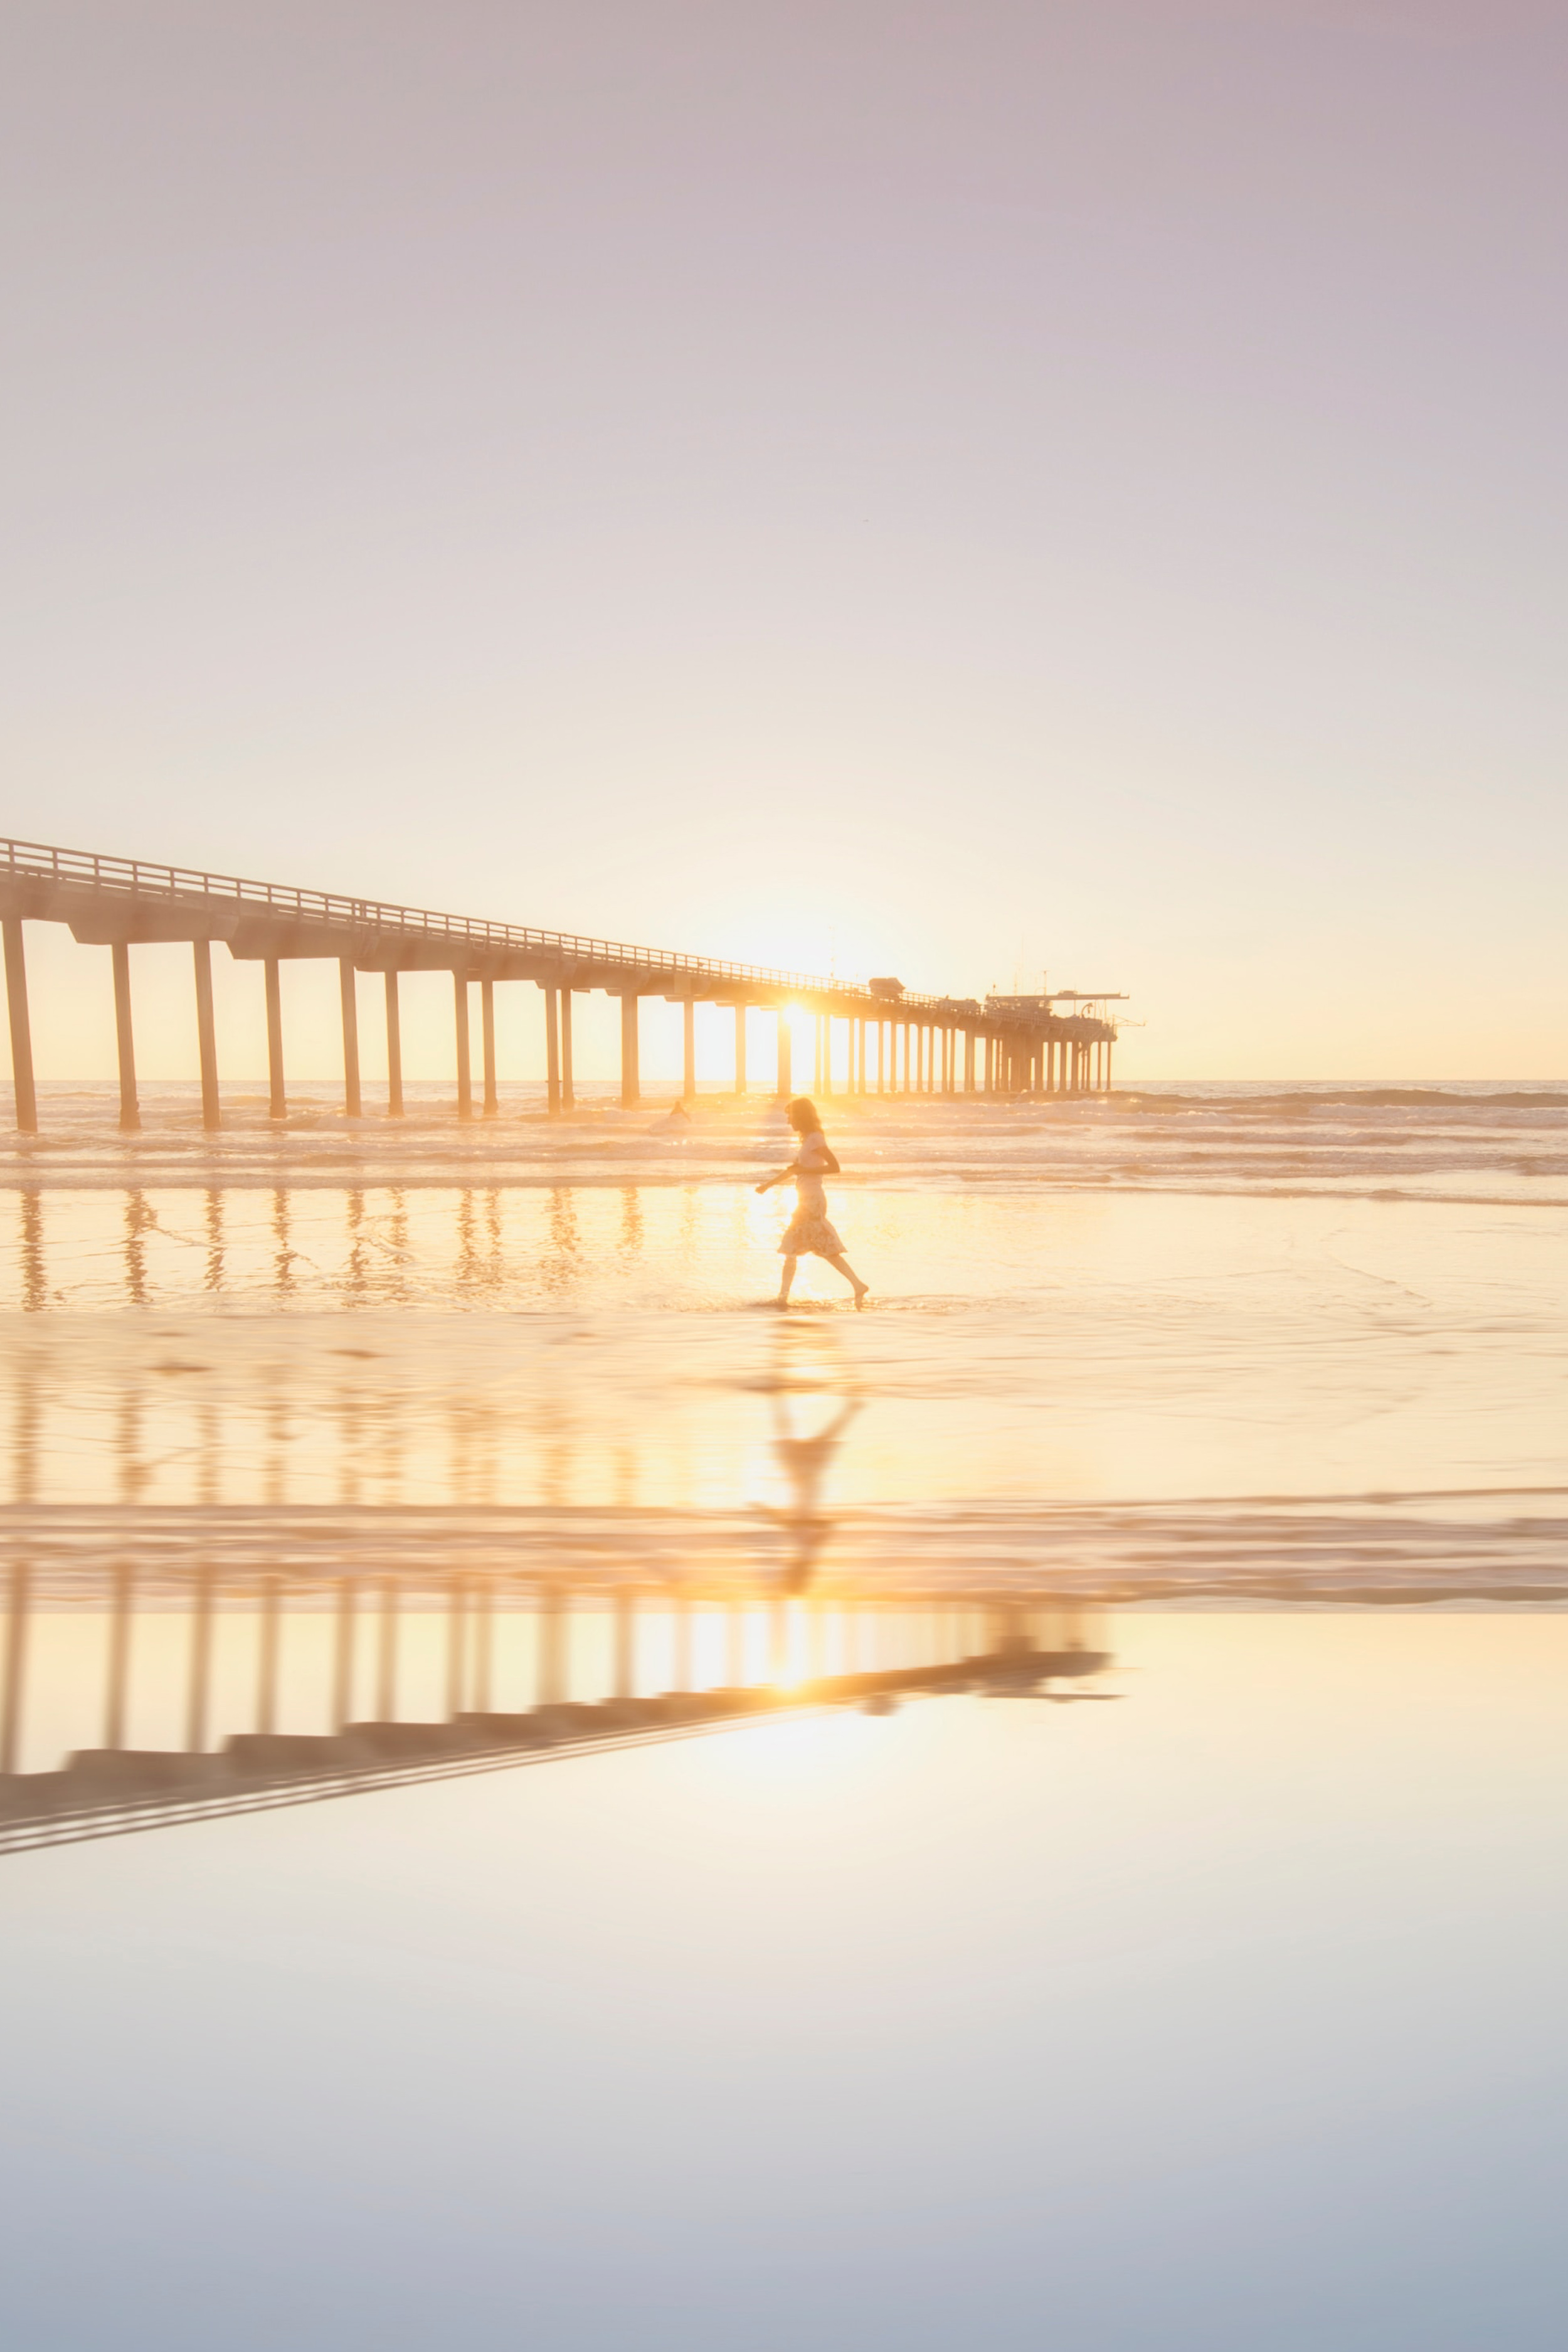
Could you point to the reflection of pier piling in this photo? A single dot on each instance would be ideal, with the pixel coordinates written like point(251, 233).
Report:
point(871, 1038)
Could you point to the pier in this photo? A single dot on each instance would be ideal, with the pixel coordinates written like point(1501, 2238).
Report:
point(873, 1037)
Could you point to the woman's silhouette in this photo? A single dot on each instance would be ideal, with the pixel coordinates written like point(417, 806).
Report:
point(808, 1232)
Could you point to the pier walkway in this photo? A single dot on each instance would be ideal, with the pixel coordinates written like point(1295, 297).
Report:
point(898, 1042)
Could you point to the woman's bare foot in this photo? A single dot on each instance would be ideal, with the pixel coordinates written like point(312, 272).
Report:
point(862, 1292)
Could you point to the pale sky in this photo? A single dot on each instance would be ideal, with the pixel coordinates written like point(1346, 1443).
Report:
point(953, 489)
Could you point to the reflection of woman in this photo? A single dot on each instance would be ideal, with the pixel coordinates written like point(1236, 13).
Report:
point(804, 1461)
point(808, 1232)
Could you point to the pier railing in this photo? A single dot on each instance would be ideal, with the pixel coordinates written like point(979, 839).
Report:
point(136, 878)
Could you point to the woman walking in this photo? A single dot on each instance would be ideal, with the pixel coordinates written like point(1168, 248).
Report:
point(808, 1232)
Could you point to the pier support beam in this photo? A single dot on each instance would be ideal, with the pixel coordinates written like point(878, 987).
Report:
point(552, 1055)
point(207, 1034)
point(21, 1028)
point(124, 1039)
point(568, 1099)
point(349, 993)
point(688, 1050)
point(1109, 1042)
point(465, 1047)
point(784, 1045)
point(740, 1049)
point(631, 1081)
point(276, 1106)
point(488, 1044)
point(969, 1061)
point(394, 1049)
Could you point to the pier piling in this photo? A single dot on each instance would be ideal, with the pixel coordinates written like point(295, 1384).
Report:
point(207, 1034)
point(488, 1045)
point(552, 1055)
point(277, 1108)
point(348, 993)
point(124, 1039)
point(465, 1047)
point(26, 1092)
point(394, 1049)
point(631, 1085)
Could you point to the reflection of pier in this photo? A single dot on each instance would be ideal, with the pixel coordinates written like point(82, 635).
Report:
point(516, 1673)
point(892, 1041)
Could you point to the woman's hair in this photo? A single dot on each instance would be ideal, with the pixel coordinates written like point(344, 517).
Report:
point(802, 1117)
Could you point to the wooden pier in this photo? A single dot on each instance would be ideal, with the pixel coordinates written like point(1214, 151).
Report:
point(894, 1041)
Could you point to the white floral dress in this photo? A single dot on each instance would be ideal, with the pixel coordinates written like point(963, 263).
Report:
point(808, 1232)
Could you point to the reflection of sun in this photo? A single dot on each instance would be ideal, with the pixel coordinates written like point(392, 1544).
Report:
point(796, 1754)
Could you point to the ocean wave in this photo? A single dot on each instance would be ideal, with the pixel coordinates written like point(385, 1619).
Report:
point(1430, 1546)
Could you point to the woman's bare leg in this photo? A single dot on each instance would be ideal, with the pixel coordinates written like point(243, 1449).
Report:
point(841, 1264)
point(786, 1278)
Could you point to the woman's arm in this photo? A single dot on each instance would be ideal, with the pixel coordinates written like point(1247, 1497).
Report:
point(782, 1178)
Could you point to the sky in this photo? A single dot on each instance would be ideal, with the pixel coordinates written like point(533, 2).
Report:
point(960, 489)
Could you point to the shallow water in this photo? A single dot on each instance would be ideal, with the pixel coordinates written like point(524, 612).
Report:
point(1456, 1141)
point(540, 1796)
